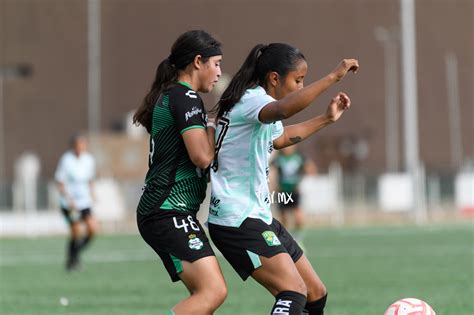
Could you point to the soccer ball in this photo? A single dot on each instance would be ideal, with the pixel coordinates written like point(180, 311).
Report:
point(409, 306)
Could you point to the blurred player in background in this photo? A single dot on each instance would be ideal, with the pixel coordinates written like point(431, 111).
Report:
point(74, 175)
point(181, 148)
point(267, 88)
point(291, 166)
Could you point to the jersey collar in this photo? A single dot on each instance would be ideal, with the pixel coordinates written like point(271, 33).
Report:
point(186, 84)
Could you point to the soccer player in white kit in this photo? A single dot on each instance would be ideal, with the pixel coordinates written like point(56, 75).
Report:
point(267, 89)
point(75, 174)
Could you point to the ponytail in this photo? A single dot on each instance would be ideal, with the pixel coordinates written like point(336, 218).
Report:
point(244, 79)
point(166, 75)
point(278, 57)
point(183, 52)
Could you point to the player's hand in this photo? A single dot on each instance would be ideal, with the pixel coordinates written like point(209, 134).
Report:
point(72, 205)
point(338, 105)
point(345, 66)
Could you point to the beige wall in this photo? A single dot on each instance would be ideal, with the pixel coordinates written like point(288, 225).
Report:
point(41, 112)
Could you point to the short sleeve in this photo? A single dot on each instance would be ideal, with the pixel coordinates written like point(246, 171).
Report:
point(254, 105)
point(277, 129)
point(60, 174)
point(187, 109)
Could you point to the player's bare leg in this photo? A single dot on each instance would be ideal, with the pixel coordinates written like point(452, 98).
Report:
point(299, 218)
point(91, 230)
point(299, 224)
point(72, 260)
point(278, 274)
point(316, 290)
point(284, 218)
point(205, 282)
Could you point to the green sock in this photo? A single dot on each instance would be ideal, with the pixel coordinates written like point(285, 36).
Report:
point(170, 312)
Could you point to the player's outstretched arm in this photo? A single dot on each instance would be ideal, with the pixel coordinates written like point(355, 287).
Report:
point(299, 100)
point(296, 133)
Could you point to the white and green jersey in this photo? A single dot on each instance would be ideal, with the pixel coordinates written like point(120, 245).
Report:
point(239, 175)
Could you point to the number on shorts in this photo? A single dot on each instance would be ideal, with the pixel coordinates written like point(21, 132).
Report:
point(193, 224)
point(185, 225)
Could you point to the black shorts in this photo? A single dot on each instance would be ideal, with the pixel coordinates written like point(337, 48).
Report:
point(290, 201)
point(242, 246)
point(175, 236)
point(73, 216)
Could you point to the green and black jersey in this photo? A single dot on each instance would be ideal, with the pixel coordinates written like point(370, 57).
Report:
point(173, 182)
point(290, 171)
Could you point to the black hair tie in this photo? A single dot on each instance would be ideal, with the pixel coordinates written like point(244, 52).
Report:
point(261, 51)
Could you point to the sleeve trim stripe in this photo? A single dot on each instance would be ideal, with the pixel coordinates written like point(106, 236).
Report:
point(191, 127)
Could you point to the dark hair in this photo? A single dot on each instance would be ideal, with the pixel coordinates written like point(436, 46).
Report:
point(74, 138)
point(262, 59)
point(184, 50)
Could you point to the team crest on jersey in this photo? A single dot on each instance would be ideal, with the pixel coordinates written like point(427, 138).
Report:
point(191, 94)
point(195, 242)
point(271, 238)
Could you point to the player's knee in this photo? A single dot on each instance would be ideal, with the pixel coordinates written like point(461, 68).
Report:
point(92, 229)
point(316, 290)
point(323, 289)
point(219, 291)
point(220, 294)
point(75, 231)
point(213, 298)
point(302, 288)
point(214, 295)
point(297, 286)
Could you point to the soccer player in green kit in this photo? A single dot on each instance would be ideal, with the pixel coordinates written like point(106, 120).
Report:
point(267, 88)
point(290, 166)
point(181, 148)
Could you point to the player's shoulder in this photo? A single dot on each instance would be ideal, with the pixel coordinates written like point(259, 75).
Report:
point(68, 159)
point(255, 94)
point(66, 156)
point(183, 93)
point(250, 104)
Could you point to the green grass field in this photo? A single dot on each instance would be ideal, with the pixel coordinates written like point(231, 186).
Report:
point(365, 269)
